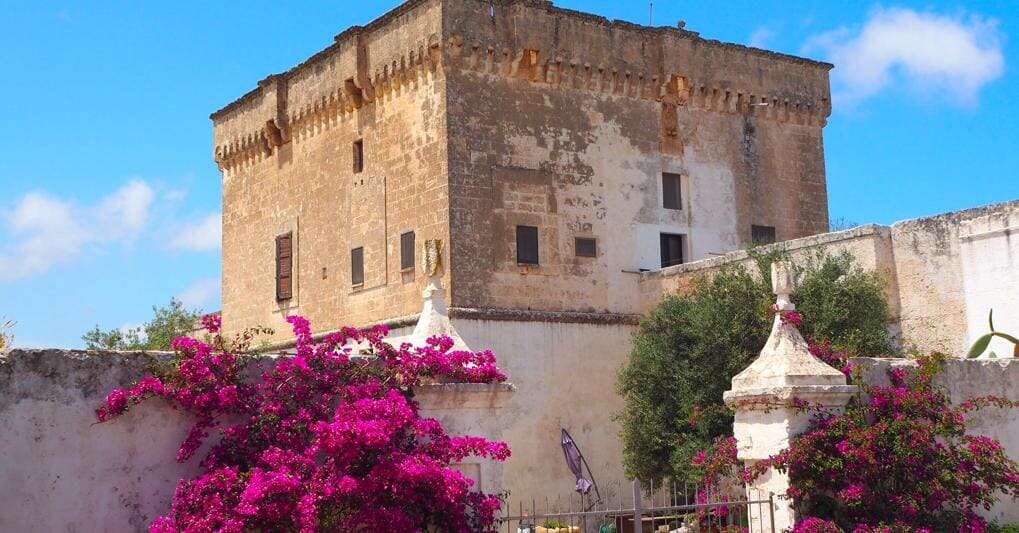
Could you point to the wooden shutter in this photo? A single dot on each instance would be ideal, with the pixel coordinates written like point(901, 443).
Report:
point(285, 267)
point(358, 156)
point(672, 195)
point(527, 245)
point(357, 266)
point(407, 250)
point(672, 249)
point(586, 247)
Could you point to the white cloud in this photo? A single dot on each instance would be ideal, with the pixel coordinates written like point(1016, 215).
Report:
point(201, 293)
point(950, 56)
point(47, 231)
point(760, 37)
point(206, 234)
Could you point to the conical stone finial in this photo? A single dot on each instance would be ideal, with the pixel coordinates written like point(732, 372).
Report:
point(785, 366)
point(768, 394)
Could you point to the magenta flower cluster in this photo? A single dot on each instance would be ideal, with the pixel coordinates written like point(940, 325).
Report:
point(899, 459)
point(328, 439)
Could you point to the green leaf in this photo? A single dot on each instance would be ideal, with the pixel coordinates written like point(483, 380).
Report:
point(1006, 336)
point(990, 319)
point(979, 346)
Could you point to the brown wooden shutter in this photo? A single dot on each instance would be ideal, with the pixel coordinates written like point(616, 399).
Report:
point(285, 267)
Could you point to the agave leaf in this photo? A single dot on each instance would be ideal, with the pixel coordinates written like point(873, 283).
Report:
point(990, 320)
point(980, 346)
point(1006, 336)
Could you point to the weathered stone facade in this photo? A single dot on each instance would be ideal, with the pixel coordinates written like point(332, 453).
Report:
point(480, 116)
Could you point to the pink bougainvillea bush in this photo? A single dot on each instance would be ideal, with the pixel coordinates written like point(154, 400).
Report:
point(898, 459)
point(326, 440)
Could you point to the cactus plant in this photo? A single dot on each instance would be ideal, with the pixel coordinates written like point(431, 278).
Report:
point(980, 346)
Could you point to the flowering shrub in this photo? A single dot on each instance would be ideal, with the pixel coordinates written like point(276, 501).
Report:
point(326, 440)
point(899, 458)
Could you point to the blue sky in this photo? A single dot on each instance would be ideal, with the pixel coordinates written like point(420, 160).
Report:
point(111, 198)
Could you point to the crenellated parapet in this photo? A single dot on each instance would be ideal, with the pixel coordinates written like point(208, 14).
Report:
point(336, 96)
point(529, 41)
point(556, 71)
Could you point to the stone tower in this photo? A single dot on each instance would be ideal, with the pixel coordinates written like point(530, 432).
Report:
point(556, 152)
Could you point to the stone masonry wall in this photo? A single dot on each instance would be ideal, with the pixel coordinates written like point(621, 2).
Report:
point(964, 379)
point(565, 121)
point(942, 273)
point(63, 472)
point(380, 84)
point(477, 116)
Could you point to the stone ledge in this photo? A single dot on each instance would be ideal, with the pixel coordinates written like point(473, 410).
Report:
point(463, 395)
point(777, 397)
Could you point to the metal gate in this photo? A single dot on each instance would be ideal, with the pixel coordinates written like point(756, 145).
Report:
point(666, 508)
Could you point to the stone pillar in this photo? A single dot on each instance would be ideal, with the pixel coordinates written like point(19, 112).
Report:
point(434, 318)
point(764, 397)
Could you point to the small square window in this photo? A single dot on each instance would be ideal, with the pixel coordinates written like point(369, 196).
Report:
point(357, 266)
point(358, 156)
point(672, 249)
point(762, 234)
point(407, 250)
point(527, 245)
point(586, 247)
point(672, 191)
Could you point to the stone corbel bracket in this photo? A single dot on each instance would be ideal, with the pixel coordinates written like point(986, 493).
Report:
point(344, 97)
point(532, 65)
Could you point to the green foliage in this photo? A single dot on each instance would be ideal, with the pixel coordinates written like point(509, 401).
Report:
point(843, 303)
point(981, 344)
point(687, 350)
point(684, 354)
point(168, 322)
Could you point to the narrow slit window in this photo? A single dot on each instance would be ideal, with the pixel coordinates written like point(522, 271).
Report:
point(284, 267)
point(527, 245)
point(672, 191)
point(672, 249)
point(407, 251)
point(586, 247)
point(357, 266)
point(358, 156)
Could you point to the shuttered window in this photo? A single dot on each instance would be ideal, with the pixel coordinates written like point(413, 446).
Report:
point(407, 250)
point(672, 249)
point(358, 156)
point(672, 191)
point(527, 245)
point(284, 267)
point(357, 266)
point(586, 247)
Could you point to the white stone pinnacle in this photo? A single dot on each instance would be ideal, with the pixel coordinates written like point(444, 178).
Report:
point(434, 318)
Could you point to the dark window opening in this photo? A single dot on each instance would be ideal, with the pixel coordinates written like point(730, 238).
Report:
point(586, 247)
point(527, 245)
point(284, 267)
point(357, 266)
point(762, 234)
point(672, 249)
point(407, 250)
point(358, 156)
point(672, 192)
